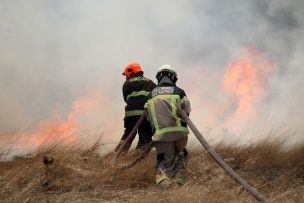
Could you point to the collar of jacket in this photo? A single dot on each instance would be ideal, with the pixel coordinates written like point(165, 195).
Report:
point(135, 78)
point(166, 81)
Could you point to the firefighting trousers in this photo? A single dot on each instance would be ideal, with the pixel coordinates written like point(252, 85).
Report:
point(144, 131)
point(171, 160)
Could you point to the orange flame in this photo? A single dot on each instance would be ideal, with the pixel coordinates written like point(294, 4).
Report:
point(93, 113)
point(57, 129)
point(245, 82)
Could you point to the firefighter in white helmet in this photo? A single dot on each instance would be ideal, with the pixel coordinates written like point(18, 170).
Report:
point(170, 132)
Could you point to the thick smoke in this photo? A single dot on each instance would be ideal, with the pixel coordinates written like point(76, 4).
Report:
point(53, 51)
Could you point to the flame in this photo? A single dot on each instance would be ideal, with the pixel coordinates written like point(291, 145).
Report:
point(246, 81)
point(59, 128)
point(56, 129)
point(90, 116)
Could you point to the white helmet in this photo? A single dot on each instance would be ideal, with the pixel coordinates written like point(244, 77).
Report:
point(167, 67)
point(166, 70)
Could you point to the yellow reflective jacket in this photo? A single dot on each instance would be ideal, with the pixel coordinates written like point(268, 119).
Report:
point(163, 108)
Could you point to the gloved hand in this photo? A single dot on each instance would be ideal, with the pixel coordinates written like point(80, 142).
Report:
point(119, 145)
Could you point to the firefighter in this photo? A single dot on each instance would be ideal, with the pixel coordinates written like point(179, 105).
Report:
point(135, 90)
point(170, 132)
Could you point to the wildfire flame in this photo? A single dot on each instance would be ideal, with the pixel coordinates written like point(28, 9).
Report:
point(57, 129)
point(63, 129)
point(246, 81)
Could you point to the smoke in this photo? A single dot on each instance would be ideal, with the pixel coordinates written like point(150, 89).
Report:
point(53, 52)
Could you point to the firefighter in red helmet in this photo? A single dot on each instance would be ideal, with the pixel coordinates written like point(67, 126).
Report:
point(135, 91)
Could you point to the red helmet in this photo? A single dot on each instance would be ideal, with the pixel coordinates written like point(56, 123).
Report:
point(132, 69)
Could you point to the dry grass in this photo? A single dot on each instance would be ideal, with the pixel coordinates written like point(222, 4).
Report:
point(79, 174)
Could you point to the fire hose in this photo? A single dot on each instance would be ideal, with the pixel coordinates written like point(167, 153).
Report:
point(221, 162)
point(253, 191)
point(130, 136)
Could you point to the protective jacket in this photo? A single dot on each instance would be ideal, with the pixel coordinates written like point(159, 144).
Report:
point(135, 91)
point(163, 108)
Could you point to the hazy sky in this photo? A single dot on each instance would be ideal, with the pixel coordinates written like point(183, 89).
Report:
point(54, 51)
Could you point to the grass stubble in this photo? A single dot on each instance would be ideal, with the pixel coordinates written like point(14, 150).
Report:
point(79, 174)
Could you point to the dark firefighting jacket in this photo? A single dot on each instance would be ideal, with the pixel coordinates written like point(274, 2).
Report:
point(163, 108)
point(135, 91)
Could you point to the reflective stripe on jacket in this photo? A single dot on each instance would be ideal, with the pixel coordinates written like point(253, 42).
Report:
point(138, 93)
point(135, 92)
point(163, 107)
point(133, 113)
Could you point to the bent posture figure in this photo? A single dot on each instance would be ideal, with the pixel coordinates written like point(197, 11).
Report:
point(163, 108)
point(135, 91)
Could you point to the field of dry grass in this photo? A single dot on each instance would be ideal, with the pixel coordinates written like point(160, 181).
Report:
point(80, 174)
